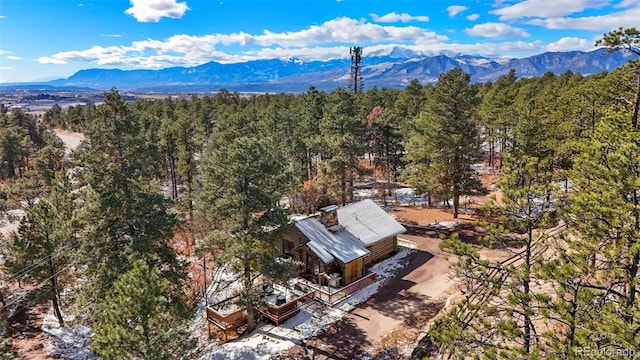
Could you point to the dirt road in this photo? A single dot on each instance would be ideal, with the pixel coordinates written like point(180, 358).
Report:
point(421, 283)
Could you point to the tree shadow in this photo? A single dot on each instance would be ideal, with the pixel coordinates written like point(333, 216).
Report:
point(467, 232)
point(22, 322)
point(395, 299)
point(343, 340)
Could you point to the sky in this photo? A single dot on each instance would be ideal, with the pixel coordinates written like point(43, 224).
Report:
point(49, 39)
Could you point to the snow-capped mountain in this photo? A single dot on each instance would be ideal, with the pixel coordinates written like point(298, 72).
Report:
point(385, 67)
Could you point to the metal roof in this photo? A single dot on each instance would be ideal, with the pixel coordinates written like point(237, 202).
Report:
point(329, 245)
point(368, 222)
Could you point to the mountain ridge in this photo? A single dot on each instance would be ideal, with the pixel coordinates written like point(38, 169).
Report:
point(392, 67)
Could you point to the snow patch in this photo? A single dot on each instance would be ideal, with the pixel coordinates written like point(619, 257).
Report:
point(444, 225)
point(67, 342)
point(269, 340)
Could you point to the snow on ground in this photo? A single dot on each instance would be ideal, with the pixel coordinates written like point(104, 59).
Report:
point(401, 196)
point(71, 139)
point(269, 340)
point(444, 225)
point(266, 341)
point(11, 221)
point(67, 342)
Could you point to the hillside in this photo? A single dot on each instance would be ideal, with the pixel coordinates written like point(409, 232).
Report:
point(394, 68)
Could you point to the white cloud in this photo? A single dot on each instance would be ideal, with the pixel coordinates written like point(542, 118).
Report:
point(454, 10)
point(7, 68)
point(111, 35)
point(473, 17)
point(626, 18)
point(2, 52)
point(547, 8)
point(328, 40)
point(570, 44)
point(394, 17)
point(496, 30)
point(13, 57)
point(50, 60)
point(192, 50)
point(153, 10)
point(2, 17)
point(627, 3)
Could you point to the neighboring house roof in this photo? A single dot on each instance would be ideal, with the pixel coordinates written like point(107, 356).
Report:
point(328, 245)
point(368, 222)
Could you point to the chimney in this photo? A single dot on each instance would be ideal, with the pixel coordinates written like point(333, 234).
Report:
point(329, 215)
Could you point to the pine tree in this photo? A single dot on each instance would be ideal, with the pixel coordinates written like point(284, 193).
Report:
point(444, 140)
point(386, 143)
point(187, 146)
point(498, 114)
point(141, 317)
point(125, 216)
point(496, 320)
point(40, 254)
point(344, 136)
point(243, 179)
point(311, 113)
point(604, 215)
point(411, 101)
point(627, 40)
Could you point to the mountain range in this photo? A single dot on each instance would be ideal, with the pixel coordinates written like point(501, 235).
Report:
point(393, 67)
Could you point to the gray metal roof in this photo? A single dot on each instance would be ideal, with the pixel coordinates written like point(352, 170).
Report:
point(327, 245)
point(368, 222)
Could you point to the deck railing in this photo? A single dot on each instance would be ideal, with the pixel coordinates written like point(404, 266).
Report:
point(331, 297)
point(285, 311)
point(224, 322)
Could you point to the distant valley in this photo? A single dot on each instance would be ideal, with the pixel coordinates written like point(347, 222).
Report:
point(393, 68)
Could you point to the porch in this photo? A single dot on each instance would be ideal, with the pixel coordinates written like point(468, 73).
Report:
point(282, 304)
point(226, 316)
point(331, 294)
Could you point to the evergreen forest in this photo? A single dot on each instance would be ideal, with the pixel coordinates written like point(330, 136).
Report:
point(111, 233)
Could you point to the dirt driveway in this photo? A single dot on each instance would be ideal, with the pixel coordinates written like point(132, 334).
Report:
point(406, 302)
point(421, 283)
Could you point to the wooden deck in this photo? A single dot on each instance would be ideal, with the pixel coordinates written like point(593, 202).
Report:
point(237, 318)
point(225, 322)
point(278, 314)
point(332, 297)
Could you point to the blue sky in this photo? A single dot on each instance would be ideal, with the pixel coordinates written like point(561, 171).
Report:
point(45, 39)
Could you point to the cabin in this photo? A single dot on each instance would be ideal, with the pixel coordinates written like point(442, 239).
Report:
point(340, 243)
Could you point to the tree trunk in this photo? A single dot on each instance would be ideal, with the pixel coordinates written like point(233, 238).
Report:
point(572, 324)
point(54, 292)
point(456, 202)
point(307, 160)
point(632, 272)
point(526, 290)
point(343, 187)
point(174, 178)
point(491, 149)
point(251, 321)
point(636, 104)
